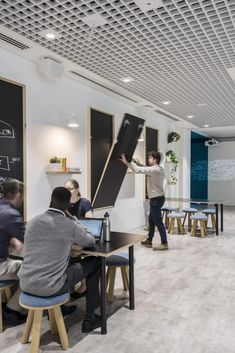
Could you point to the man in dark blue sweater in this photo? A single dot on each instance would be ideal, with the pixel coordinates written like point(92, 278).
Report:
point(11, 235)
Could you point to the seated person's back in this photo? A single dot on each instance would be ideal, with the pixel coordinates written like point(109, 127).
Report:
point(48, 241)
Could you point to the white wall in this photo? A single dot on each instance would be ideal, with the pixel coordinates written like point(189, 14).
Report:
point(221, 170)
point(47, 137)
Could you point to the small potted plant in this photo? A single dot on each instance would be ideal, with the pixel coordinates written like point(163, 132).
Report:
point(173, 137)
point(55, 164)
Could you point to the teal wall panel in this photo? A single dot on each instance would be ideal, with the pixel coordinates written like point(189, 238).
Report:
point(199, 167)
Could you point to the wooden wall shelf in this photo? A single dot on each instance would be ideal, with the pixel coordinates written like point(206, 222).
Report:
point(54, 172)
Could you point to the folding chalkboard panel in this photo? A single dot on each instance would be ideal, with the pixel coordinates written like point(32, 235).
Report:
point(11, 130)
point(114, 171)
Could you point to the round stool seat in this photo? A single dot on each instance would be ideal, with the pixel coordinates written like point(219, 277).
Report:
point(176, 215)
point(209, 211)
point(42, 302)
point(199, 217)
point(168, 208)
point(7, 283)
point(119, 259)
point(190, 209)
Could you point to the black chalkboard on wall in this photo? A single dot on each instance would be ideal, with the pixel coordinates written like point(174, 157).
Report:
point(101, 140)
point(115, 171)
point(11, 130)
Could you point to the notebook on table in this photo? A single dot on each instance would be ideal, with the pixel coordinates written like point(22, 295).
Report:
point(94, 226)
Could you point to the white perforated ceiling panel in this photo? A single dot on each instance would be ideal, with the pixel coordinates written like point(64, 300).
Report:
point(179, 52)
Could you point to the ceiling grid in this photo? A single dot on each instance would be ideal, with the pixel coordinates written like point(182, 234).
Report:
point(179, 52)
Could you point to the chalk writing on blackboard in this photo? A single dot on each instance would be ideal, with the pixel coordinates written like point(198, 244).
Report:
point(6, 130)
point(4, 163)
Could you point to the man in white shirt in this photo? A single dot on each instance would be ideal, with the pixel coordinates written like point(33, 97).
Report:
point(155, 179)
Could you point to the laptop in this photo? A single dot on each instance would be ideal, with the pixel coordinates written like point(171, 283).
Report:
point(94, 226)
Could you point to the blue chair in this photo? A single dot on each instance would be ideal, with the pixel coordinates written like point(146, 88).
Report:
point(202, 219)
point(210, 212)
point(189, 211)
point(165, 212)
point(120, 260)
point(5, 286)
point(175, 216)
point(35, 306)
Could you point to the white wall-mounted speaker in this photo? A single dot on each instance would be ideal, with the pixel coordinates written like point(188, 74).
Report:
point(51, 68)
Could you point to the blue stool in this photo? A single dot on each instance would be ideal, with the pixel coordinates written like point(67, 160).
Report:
point(175, 216)
point(5, 286)
point(165, 212)
point(35, 306)
point(189, 211)
point(202, 219)
point(121, 260)
point(210, 212)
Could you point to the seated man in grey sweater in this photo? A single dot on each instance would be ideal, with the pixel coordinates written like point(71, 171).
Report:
point(46, 270)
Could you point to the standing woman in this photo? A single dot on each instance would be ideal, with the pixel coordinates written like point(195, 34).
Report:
point(155, 179)
point(79, 206)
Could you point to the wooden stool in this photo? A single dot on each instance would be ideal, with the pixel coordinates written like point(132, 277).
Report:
point(189, 211)
point(199, 217)
point(175, 216)
point(5, 286)
point(120, 260)
point(211, 212)
point(36, 305)
point(165, 212)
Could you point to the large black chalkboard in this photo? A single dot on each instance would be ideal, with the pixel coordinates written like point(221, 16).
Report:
point(114, 172)
point(101, 137)
point(11, 130)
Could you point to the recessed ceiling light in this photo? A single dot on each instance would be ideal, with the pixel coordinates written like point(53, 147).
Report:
point(190, 116)
point(206, 125)
point(127, 79)
point(201, 104)
point(148, 5)
point(166, 102)
point(49, 34)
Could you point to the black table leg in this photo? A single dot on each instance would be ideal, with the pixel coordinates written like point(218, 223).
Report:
point(131, 278)
point(217, 218)
point(221, 217)
point(103, 296)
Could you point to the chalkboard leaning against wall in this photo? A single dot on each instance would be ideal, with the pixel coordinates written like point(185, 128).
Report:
point(12, 131)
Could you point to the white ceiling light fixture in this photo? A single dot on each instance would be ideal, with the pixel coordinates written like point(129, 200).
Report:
point(69, 119)
point(94, 21)
point(166, 102)
point(127, 79)
point(201, 104)
point(206, 125)
point(190, 116)
point(148, 5)
point(50, 34)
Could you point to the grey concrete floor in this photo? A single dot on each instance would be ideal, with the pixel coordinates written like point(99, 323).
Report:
point(185, 302)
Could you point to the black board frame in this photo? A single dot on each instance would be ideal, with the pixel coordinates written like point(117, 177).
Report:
point(90, 157)
point(23, 117)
